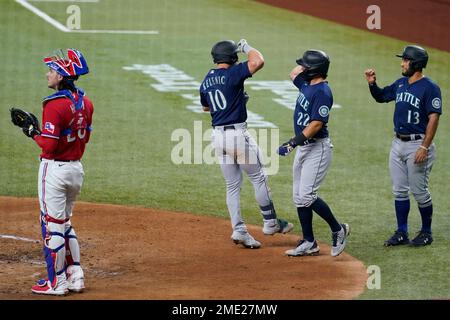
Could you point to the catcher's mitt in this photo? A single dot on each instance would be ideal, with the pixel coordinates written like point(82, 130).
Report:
point(25, 120)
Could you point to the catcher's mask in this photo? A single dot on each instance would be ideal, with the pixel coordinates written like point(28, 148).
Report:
point(418, 59)
point(69, 63)
point(225, 52)
point(315, 62)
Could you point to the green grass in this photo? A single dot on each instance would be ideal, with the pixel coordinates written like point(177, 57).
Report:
point(128, 158)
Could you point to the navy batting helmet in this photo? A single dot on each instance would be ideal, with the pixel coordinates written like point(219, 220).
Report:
point(225, 52)
point(417, 56)
point(315, 62)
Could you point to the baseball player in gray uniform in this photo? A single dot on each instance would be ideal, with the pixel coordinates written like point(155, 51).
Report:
point(313, 157)
point(222, 94)
point(418, 105)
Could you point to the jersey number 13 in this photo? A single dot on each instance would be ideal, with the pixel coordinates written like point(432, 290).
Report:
point(413, 117)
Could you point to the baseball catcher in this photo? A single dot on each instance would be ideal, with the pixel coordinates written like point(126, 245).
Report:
point(66, 128)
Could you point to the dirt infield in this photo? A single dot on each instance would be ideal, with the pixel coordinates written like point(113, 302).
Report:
point(423, 22)
point(137, 253)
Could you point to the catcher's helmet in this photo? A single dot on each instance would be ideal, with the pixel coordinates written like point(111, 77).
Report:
point(225, 52)
point(68, 63)
point(315, 62)
point(417, 56)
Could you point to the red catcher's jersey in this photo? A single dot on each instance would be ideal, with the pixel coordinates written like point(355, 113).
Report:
point(71, 127)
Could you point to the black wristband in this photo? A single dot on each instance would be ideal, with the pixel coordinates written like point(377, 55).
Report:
point(299, 139)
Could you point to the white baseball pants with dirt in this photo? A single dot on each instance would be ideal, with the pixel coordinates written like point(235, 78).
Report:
point(237, 151)
point(59, 184)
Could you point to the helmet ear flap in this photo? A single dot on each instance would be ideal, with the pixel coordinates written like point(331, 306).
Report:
point(415, 65)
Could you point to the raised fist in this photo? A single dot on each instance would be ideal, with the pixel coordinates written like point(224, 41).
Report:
point(370, 76)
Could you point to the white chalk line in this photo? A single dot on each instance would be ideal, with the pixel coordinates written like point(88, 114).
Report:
point(7, 236)
point(82, 1)
point(116, 31)
point(63, 28)
point(43, 15)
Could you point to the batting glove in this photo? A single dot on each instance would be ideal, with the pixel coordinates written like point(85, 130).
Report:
point(243, 46)
point(286, 148)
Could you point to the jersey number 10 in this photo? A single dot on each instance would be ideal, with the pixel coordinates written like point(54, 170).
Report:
point(217, 100)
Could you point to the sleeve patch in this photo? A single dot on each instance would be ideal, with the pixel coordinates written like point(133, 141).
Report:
point(50, 127)
point(324, 111)
point(436, 103)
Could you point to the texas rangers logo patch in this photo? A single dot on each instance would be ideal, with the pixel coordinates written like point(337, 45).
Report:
point(50, 127)
point(324, 111)
point(436, 103)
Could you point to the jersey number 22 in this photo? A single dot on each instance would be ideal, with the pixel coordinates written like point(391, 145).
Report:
point(303, 119)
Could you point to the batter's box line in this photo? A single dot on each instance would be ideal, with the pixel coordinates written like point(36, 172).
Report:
point(14, 237)
point(63, 28)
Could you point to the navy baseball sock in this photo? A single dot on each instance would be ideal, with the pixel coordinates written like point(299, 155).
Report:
point(426, 214)
point(324, 211)
point(305, 216)
point(402, 211)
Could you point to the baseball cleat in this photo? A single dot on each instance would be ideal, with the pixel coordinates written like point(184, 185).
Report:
point(75, 278)
point(398, 238)
point(245, 239)
point(43, 286)
point(304, 248)
point(339, 240)
point(280, 226)
point(422, 239)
